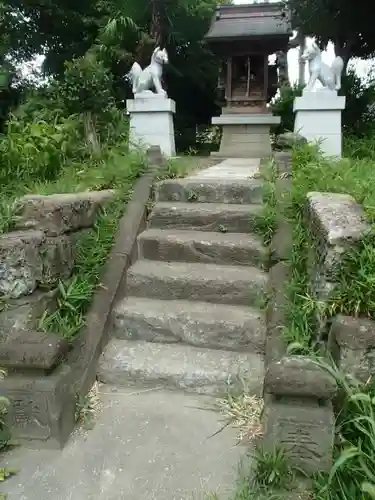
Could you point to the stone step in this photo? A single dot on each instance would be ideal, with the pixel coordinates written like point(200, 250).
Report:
point(239, 285)
point(199, 246)
point(216, 326)
point(201, 190)
point(219, 217)
point(176, 366)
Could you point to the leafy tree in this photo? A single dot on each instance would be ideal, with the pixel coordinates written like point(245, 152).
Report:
point(60, 29)
point(347, 23)
point(359, 114)
point(282, 106)
point(116, 33)
point(180, 25)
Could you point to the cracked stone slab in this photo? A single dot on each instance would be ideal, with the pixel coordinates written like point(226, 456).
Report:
point(221, 217)
point(211, 190)
point(237, 285)
point(231, 168)
point(200, 246)
point(130, 363)
point(201, 324)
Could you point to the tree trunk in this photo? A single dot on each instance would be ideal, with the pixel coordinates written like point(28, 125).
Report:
point(90, 132)
point(156, 28)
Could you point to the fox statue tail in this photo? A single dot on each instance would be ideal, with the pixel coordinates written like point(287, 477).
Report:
point(338, 64)
point(337, 69)
point(134, 73)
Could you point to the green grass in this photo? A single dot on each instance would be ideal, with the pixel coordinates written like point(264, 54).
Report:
point(355, 293)
point(354, 454)
point(301, 307)
point(352, 476)
point(266, 224)
point(355, 176)
point(269, 478)
point(92, 247)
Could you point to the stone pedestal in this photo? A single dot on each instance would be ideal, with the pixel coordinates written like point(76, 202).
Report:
point(318, 118)
point(151, 123)
point(245, 135)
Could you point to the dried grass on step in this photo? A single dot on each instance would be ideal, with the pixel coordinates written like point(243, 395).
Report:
point(243, 412)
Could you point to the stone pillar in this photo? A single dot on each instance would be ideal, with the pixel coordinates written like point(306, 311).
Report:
point(151, 123)
point(298, 414)
point(318, 118)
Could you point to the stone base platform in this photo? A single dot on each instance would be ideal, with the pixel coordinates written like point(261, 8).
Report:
point(245, 136)
point(318, 118)
point(151, 123)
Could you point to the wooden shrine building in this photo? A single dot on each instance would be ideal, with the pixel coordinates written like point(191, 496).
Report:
point(244, 36)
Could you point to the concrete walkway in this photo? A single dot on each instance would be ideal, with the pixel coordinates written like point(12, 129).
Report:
point(151, 445)
point(230, 169)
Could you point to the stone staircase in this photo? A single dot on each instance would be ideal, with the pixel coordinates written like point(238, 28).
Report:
point(193, 317)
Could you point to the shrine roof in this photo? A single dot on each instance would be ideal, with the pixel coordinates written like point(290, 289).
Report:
point(231, 22)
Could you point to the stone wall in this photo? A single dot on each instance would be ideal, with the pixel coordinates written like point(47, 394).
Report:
point(33, 257)
point(299, 396)
point(337, 223)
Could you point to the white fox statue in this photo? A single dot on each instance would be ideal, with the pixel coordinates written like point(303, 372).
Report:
point(328, 76)
point(144, 80)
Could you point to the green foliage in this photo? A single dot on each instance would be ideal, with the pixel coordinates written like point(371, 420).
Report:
point(51, 130)
point(269, 477)
point(272, 469)
point(348, 24)
point(86, 86)
point(358, 117)
point(117, 33)
point(283, 106)
point(352, 476)
point(300, 309)
point(118, 172)
point(46, 150)
point(266, 224)
point(38, 149)
point(356, 293)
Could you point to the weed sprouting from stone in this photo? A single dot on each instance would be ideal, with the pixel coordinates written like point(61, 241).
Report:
point(88, 407)
point(272, 469)
point(192, 196)
point(222, 229)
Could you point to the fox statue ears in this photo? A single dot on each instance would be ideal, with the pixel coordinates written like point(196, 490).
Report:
point(159, 49)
